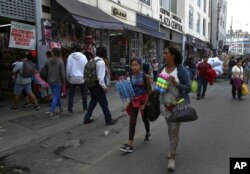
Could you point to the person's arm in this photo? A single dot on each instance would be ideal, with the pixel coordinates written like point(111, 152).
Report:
point(184, 84)
point(68, 68)
point(17, 67)
point(100, 70)
point(62, 74)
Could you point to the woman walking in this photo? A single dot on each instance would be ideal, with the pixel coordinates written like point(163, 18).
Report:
point(55, 71)
point(237, 79)
point(142, 87)
point(178, 89)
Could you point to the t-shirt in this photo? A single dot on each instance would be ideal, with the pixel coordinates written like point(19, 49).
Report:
point(237, 72)
point(155, 66)
point(18, 69)
point(138, 85)
point(202, 68)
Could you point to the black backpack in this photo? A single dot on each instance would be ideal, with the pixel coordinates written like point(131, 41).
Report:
point(90, 74)
point(28, 69)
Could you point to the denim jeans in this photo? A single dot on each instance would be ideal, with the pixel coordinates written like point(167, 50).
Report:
point(56, 100)
point(72, 91)
point(98, 95)
point(202, 86)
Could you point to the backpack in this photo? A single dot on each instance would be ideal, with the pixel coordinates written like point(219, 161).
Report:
point(28, 69)
point(90, 74)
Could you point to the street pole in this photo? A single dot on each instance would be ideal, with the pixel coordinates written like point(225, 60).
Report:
point(38, 16)
point(217, 32)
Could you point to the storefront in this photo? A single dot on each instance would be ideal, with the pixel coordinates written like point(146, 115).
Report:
point(12, 43)
point(149, 41)
point(196, 48)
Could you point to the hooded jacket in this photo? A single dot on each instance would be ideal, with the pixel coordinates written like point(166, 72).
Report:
point(55, 71)
point(75, 68)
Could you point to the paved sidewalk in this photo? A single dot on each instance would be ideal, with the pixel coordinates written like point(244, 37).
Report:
point(19, 129)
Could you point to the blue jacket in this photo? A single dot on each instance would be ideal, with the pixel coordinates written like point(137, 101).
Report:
point(184, 85)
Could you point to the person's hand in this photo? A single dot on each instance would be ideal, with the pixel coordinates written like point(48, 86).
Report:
point(142, 107)
point(173, 81)
point(106, 90)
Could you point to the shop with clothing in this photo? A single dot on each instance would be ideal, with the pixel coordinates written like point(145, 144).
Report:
point(15, 40)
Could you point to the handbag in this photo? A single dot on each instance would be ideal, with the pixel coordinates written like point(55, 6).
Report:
point(183, 112)
point(152, 109)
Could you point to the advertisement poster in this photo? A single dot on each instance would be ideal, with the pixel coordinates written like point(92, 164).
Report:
point(22, 36)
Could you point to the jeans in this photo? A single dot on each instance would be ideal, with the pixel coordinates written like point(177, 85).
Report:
point(56, 97)
point(98, 95)
point(72, 91)
point(202, 84)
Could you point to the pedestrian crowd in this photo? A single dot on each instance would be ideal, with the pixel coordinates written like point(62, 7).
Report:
point(91, 74)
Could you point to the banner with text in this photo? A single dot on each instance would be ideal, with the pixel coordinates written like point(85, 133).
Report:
point(22, 36)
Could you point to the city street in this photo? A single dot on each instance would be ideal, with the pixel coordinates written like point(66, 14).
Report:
point(206, 145)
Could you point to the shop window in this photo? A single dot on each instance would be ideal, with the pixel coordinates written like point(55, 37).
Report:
point(165, 4)
point(45, 9)
point(146, 2)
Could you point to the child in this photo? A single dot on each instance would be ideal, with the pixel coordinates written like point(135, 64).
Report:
point(142, 87)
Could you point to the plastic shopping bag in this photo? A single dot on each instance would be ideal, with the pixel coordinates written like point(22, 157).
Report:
point(244, 89)
point(194, 86)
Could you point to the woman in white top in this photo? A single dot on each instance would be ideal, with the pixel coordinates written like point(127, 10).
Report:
point(237, 79)
point(178, 89)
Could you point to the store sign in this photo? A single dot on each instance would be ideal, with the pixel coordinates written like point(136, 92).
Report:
point(22, 36)
point(119, 13)
point(170, 20)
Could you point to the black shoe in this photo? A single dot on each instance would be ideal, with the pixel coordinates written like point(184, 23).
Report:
point(126, 148)
point(113, 122)
point(88, 121)
point(13, 108)
point(147, 138)
point(198, 98)
point(26, 105)
point(203, 96)
point(37, 107)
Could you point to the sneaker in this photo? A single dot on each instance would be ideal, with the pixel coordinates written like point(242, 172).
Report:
point(37, 107)
point(13, 108)
point(70, 113)
point(126, 148)
point(53, 116)
point(26, 105)
point(88, 121)
point(112, 122)
point(147, 138)
point(171, 165)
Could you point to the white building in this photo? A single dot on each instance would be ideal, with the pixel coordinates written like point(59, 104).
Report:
point(239, 43)
point(219, 19)
point(196, 15)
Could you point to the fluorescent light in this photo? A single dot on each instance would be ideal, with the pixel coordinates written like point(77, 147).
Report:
point(5, 25)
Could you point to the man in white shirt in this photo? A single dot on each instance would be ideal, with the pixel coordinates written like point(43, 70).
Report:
point(98, 92)
point(75, 75)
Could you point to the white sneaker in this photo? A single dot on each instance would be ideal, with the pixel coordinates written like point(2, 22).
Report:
point(171, 165)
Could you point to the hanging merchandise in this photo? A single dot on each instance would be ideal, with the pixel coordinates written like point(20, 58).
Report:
point(125, 90)
point(194, 86)
point(162, 83)
point(244, 89)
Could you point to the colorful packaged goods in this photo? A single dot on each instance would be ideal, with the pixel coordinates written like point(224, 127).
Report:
point(162, 83)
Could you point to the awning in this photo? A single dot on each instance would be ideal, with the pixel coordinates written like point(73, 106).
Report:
point(90, 16)
point(154, 33)
point(134, 28)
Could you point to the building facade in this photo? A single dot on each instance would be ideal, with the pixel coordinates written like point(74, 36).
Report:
point(219, 23)
point(239, 43)
point(197, 27)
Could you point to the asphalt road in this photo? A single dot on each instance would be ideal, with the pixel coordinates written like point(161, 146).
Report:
point(206, 145)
